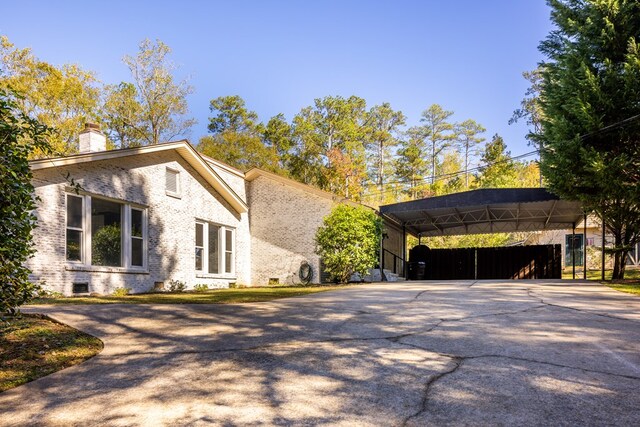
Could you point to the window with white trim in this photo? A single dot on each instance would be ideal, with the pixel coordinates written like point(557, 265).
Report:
point(105, 232)
point(75, 231)
point(214, 248)
point(172, 182)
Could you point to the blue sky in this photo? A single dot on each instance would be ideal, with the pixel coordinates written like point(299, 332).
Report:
point(466, 55)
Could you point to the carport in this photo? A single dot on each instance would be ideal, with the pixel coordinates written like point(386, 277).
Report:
point(502, 210)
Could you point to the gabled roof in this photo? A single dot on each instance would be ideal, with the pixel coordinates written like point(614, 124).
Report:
point(223, 166)
point(256, 172)
point(183, 148)
point(490, 210)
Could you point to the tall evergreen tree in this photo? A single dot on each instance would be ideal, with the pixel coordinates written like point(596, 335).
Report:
point(591, 115)
point(410, 164)
point(531, 110)
point(437, 132)
point(468, 138)
point(278, 135)
point(330, 145)
point(237, 136)
point(498, 170)
point(383, 126)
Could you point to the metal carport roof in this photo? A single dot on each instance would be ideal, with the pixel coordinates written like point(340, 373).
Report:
point(494, 210)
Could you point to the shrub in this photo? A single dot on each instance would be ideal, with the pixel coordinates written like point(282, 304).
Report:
point(349, 241)
point(20, 138)
point(177, 286)
point(121, 292)
point(105, 245)
point(201, 287)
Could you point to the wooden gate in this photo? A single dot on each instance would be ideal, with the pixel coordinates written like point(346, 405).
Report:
point(513, 262)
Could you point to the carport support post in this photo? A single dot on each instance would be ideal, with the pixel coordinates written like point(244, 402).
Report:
point(381, 263)
point(603, 237)
point(573, 251)
point(404, 251)
point(584, 246)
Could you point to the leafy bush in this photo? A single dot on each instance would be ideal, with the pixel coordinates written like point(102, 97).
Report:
point(201, 287)
point(177, 286)
point(349, 241)
point(105, 246)
point(121, 292)
point(20, 138)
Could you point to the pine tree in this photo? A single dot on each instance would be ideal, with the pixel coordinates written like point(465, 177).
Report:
point(589, 96)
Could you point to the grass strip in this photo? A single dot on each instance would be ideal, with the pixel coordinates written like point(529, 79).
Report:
point(217, 296)
point(32, 346)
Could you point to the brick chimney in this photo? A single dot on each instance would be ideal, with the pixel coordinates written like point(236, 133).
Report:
point(92, 139)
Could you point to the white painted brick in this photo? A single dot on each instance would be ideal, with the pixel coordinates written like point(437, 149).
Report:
point(138, 179)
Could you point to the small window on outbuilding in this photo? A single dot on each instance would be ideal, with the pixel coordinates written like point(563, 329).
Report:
point(80, 288)
point(173, 182)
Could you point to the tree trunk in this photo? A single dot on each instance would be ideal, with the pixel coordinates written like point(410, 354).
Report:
point(619, 258)
point(381, 171)
point(466, 165)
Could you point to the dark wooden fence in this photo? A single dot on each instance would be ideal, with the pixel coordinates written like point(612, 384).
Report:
point(513, 262)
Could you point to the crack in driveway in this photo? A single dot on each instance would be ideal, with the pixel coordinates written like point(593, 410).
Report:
point(406, 358)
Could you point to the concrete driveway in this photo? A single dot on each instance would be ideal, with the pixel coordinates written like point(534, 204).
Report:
point(418, 353)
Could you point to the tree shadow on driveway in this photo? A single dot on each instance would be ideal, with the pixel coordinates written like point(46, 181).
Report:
point(412, 353)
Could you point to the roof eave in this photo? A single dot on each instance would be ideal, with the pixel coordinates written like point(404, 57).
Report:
point(182, 147)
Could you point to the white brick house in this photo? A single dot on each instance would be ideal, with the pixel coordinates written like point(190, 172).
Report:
point(149, 215)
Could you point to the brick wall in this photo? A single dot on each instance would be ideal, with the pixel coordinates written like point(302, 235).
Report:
point(283, 221)
point(138, 179)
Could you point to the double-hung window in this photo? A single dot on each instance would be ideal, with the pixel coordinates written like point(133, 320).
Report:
point(106, 233)
point(75, 229)
point(214, 249)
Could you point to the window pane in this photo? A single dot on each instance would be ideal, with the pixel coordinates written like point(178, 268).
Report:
point(199, 258)
point(229, 240)
point(228, 255)
point(136, 252)
point(199, 234)
point(214, 252)
point(74, 245)
point(74, 211)
point(106, 233)
point(136, 223)
point(228, 262)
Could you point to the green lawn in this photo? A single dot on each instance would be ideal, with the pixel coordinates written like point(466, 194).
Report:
point(218, 296)
point(630, 287)
point(630, 273)
point(33, 346)
point(630, 284)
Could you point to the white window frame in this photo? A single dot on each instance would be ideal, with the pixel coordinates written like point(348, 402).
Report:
point(204, 236)
point(129, 239)
point(224, 252)
point(178, 192)
point(80, 229)
point(222, 236)
point(126, 237)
